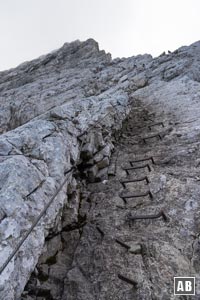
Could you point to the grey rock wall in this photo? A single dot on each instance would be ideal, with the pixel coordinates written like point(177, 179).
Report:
point(67, 108)
point(34, 160)
point(45, 105)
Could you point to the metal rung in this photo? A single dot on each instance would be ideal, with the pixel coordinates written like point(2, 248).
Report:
point(154, 216)
point(147, 119)
point(138, 167)
point(136, 196)
point(156, 124)
point(143, 159)
point(123, 182)
point(122, 244)
point(151, 137)
point(127, 280)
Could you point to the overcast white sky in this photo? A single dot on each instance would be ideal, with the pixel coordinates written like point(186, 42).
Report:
point(30, 28)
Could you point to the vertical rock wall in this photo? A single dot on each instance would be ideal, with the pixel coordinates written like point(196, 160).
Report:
point(61, 111)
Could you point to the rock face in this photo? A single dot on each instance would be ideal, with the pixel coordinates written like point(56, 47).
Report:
point(75, 119)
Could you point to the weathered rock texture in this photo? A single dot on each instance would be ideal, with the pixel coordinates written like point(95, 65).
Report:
point(78, 107)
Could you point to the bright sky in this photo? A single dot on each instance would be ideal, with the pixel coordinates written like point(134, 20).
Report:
point(30, 28)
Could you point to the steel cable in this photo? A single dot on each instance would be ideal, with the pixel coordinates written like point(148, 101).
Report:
point(18, 246)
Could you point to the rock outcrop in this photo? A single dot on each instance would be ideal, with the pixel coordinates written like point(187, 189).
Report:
point(70, 123)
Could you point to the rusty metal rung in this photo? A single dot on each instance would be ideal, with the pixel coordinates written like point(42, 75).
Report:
point(156, 124)
point(123, 182)
point(151, 137)
point(138, 167)
point(127, 280)
point(122, 244)
point(136, 196)
point(142, 159)
point(147, 119)
point(153, 216)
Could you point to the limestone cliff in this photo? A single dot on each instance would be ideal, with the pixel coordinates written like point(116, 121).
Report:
point(72, 206)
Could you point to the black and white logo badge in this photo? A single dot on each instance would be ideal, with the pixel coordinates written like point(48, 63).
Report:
point(184, 285)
